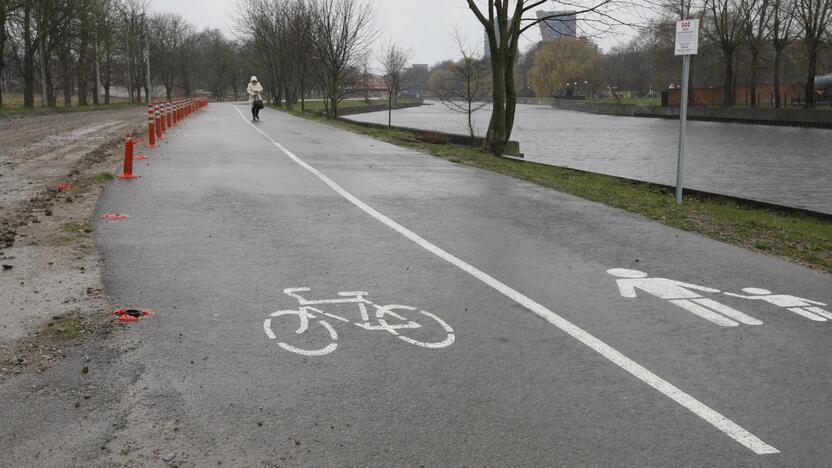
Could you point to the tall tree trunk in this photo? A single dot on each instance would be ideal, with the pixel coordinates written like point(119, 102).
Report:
point(95, 95)
point(82, 77)
point(811, 71)
point(51, 99)
point(107, 75)
point(778, 59)
point(147, 89)
point(511, 100)
point(728, 85)
point(44, 94)
point(28, 59)
point(66, 75)
point(3, 16)
point(755, 59)
point(497, 126)
point(302, 95)
point(128, 70)
point(471, 119)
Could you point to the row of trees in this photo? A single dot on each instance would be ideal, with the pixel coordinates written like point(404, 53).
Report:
point(743, 41)
point(755, 37)
point(317, 48)
point(85, 49)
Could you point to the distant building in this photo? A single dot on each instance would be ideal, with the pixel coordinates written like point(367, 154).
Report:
point(373, 87)
point(564, 24)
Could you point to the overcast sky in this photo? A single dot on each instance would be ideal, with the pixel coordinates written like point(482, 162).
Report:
point(425, 26)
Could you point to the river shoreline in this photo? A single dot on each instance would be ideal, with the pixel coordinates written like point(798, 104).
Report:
point(812, 118)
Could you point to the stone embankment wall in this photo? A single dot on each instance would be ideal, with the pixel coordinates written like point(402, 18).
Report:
point(819, 118)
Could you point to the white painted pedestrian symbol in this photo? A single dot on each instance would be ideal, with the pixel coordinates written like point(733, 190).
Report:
point(312, 340)
point(681, 294)
point(803, 307)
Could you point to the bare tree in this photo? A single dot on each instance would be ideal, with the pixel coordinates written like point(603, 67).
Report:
point(343, 31)
point(463, 86)
point(504, 24)
point(815, 18)
point(394, 60)
point(725, 31)
point(169, 32)
point(757, 18)
point(782, 31)
point(24, 46)
point(5, 9)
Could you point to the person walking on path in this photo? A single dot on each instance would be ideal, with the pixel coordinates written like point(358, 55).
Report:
point(255, 97)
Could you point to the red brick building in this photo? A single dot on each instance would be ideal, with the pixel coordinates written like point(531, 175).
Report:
point(789, 94)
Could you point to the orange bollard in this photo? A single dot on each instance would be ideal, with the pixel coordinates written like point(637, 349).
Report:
point(151, 128)
point(162, 117)
point(128, 159)
point(168, 113)
point(159, 134)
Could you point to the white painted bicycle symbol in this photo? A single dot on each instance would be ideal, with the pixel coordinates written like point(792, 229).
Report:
point(313, 327)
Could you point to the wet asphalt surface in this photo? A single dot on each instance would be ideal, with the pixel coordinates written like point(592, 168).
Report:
point(222, 221)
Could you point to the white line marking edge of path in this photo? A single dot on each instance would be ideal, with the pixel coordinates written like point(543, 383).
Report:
point(698, 408)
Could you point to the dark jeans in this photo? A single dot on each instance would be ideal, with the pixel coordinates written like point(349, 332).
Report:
point(255, 112)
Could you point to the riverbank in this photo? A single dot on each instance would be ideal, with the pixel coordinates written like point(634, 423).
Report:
point(814, 118)
point(356, 106)
point(798, 236)
point(785, 166)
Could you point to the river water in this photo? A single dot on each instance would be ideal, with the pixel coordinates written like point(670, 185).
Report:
point(789, 166)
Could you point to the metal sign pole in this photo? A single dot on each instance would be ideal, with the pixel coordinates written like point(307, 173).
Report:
point(687, 44)
point(683, 127)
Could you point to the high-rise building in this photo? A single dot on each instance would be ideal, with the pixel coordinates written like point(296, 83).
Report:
point(559, 24)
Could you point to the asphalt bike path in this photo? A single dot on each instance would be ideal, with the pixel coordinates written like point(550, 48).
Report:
point(499, 323)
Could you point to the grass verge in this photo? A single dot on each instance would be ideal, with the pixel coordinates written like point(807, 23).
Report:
point(64, 327)
point(87, 184)
point(798, 236)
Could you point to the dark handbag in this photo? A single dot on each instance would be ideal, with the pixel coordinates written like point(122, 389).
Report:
point(258, 104)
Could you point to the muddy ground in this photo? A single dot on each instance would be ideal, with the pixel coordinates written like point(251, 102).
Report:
point(66, 397)
point(50, 271)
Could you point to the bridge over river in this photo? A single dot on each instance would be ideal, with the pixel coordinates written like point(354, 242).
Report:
point(781, 165)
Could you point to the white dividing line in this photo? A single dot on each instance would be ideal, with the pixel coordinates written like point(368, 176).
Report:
point(719, 421)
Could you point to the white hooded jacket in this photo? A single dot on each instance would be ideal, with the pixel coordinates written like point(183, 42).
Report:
point(254, 90)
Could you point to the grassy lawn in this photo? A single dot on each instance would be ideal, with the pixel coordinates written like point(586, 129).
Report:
point(800, 237)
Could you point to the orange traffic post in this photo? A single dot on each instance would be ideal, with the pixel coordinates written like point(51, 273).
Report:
point(168, 112)
point(162, 117)
point(159, 134)
point(151, 128)
point(128, 159)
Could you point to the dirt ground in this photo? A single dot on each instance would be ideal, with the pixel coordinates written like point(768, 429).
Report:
point(50, 271)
